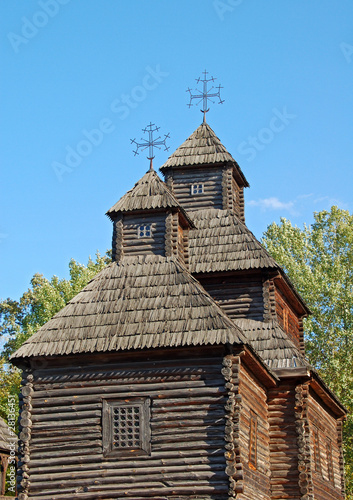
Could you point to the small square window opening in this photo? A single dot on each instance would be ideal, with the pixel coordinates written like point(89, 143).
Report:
point(197, 189)
point(126, 427)
point(144, 231)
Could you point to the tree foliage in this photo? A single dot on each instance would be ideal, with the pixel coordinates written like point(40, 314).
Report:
point(319, 261)
point(21, 319)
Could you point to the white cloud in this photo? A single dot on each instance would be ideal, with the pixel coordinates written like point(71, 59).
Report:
point(273, 204)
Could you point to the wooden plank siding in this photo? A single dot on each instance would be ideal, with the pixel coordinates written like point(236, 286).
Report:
point(211, 178)
point(133, 245)
point(187, 432)
point(287, 318)
point(254, 402)
point(283, 442)
point(240, 296)
point(326, 473)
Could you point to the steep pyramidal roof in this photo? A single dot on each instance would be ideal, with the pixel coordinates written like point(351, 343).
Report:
point(150, 192)
point(202, 148)
point(140, 302)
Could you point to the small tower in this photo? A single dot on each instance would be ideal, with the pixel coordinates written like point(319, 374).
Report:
point(149, 220)
point(202, 174)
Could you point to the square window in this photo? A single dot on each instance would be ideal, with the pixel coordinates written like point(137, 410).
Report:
point(144, 231)
point(197, 189)
point(126, 427)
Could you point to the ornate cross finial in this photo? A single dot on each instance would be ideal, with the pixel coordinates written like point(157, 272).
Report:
point(205, 95)
point(150, 143)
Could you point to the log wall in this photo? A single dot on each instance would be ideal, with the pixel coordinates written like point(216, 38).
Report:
point(238, 296)
point(254, 404)
point(287, 318)
point(182, 181)
point(283, 442)
point(326, 466)
point(133, 245)
point(187, 432)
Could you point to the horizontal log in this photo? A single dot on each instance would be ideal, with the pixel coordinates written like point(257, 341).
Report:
point(163, 390)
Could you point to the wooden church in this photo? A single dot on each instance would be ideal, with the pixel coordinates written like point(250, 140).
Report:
point(178, 372)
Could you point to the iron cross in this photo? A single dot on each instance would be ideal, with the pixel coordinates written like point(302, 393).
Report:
point(150, 143)
point(205, 95)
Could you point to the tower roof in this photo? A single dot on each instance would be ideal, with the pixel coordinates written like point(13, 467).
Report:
point(140, 302)
point(149, 193)
point(203, 147)
point(221, 242)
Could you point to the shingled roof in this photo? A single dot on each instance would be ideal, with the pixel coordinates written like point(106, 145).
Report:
point(272, 344)
point(221, 242)
point(149, 193)
point(139, 302)
point(202, 148)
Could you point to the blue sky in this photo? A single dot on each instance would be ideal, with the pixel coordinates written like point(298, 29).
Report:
point(80, 78)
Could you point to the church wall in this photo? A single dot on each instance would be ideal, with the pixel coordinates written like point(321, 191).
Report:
point(287, 318)
point(283, 442)
point(325, 456)
point(187, 427)
point(254, 437)
point(183, 179)
point(238, 296)
point(135, 245)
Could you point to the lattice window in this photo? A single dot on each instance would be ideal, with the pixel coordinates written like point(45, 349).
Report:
point(253, 441)
point(329, 460)
point(197, 189)
point(144, 231)
point(126, 427)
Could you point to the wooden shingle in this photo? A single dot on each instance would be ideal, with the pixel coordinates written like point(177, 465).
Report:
point(221, 242)
point(203, 147)
point(149, 193)
point(139, 302)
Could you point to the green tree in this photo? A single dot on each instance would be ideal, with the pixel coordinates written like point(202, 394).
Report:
point(319, 261)
point(21, 319)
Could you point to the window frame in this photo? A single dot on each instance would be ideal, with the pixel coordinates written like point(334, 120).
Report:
point(146, 231)
point(196, 187)
point(108, 406)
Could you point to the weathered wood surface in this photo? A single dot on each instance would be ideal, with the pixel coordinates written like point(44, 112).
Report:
point(155, 244)
point(211, 179)
point(254, 400)
point(239, 296)
point(187, 429)
point(287, 318)
point(221, 242)
point(283, 443)
point(321, 420)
